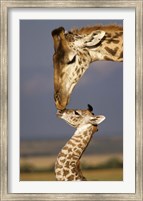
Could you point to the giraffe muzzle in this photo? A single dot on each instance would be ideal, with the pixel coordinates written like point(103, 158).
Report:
point(61, 100)
point(60, 112)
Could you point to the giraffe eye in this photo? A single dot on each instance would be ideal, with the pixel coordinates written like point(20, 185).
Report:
point(72, 61)
point(76, 113)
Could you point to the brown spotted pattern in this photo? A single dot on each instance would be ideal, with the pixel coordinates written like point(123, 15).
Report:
point(74, 51)
point(67, 166)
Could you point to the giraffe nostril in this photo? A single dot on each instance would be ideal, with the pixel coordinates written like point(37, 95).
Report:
point(56, 96)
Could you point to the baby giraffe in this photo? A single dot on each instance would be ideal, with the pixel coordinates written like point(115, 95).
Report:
point(67, 166)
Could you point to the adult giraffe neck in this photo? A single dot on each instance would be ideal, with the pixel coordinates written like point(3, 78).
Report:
point(110, 47)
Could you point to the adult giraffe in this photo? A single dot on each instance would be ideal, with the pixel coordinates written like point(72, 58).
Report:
point(75, 50)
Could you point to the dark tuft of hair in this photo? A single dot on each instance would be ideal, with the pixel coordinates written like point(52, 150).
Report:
point(90, 108)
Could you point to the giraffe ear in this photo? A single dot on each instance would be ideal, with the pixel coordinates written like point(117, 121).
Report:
point(93, 39)
point(97, 119)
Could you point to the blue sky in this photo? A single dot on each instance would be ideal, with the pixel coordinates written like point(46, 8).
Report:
point(101, 86)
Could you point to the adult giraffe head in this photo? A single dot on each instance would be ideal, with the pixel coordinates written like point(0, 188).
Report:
point(74, 51)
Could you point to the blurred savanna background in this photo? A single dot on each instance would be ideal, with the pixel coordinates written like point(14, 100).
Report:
point(38, 158)
point(42, 134)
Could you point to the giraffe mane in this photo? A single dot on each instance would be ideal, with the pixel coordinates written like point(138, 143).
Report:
point(89, 29)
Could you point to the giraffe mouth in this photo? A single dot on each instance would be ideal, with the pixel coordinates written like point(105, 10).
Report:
point(60, 112)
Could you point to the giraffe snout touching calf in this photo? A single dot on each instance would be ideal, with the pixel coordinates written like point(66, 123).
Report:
point(67, 166)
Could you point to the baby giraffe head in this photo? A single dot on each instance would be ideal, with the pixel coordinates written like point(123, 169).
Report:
point(78, 118)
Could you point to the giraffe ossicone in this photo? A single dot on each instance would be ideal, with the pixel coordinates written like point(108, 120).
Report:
point(75, 50)
point(67, 166)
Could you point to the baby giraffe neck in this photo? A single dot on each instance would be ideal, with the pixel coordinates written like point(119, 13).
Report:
point(67, 164)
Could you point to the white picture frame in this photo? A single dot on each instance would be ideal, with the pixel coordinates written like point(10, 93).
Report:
point(136, 193)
